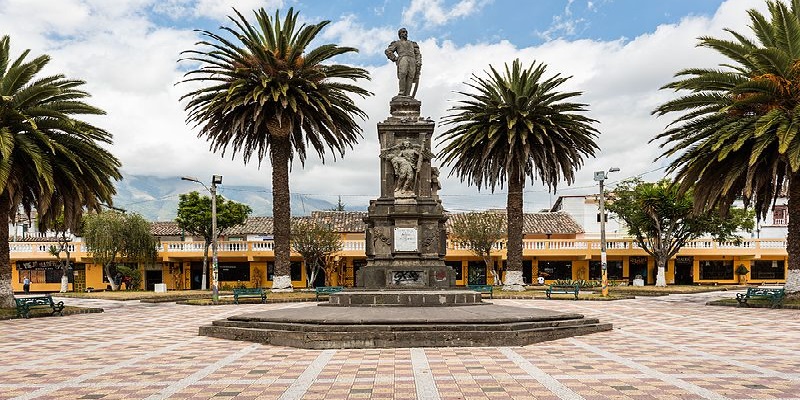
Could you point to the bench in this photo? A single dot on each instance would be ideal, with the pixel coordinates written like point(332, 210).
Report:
point(563, 289)
point(482, 289)
point(26, 304)
point(249, 292)
point(327, 290)
point(774, 295)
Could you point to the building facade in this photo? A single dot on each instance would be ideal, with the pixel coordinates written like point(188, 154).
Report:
point(556, 247)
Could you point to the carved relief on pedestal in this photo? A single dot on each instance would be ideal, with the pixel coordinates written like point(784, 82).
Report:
point(429, 238)
point(381, 243)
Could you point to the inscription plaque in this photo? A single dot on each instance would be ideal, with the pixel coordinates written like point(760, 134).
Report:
point(405, 239)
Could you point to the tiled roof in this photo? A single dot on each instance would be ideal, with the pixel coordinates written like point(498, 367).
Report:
point(342, 221)
point(550, 223)
point(537, 223)
point(353, 222)
point(253, 225)
point(164, 228)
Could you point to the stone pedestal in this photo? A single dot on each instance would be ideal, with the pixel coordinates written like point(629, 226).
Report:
point(406, 237)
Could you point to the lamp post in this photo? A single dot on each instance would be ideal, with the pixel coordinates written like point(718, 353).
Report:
point(601, 176)
point(215, 180)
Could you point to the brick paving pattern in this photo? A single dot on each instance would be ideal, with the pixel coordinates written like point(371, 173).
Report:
point(671, 347)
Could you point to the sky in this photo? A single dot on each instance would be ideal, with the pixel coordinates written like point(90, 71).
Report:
point(618, 53)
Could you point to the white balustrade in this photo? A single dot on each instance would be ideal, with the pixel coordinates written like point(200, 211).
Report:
point(548, 245)
point(267, 245)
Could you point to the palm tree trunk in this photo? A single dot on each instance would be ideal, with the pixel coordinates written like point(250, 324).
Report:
point(516, 182)
point(793, 237)
point(6, 291)
point(281, 209)
point(661, 268)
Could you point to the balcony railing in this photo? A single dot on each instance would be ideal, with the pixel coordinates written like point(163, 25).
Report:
point(545, 246)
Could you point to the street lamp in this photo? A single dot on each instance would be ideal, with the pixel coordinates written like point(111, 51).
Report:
point(215, 180)
point(601, 176)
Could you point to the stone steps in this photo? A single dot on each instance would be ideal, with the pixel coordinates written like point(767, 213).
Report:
point(398, 335)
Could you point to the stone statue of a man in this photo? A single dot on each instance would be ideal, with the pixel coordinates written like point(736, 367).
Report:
point(404, 157)
point(405, 53)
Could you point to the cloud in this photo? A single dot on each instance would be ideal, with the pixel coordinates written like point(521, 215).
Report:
point(433, 12)
point(129, 62)
point(564, 25)
point(348, 31)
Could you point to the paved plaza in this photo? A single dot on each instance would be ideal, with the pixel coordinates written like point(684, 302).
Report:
point(671, 347)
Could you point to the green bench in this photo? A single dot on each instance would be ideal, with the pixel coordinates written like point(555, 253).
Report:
point(249, 292)
point(26, 304)
point(327, 290)
point(563, 289)
point(482, 289)
point(774, 295)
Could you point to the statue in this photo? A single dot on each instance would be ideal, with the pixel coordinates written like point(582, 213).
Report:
point(408, 60)
point(405, 158)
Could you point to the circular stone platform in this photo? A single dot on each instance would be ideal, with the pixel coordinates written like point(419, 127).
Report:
point(317, 327)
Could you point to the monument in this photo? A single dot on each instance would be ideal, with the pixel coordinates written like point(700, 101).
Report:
point(405, 234)
point(406, 296)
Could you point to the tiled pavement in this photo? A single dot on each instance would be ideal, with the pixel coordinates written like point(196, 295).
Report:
point(670, 347)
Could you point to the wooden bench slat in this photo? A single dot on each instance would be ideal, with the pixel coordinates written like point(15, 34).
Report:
point(774, 295)
point(24, 305)
point(249, 292)
point(563, 289)
point(327, 290)
point(483, 289)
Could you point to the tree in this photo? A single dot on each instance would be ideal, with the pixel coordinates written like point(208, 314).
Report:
point(662, 219)
point(317, 243)
point(339, 206)
point(112, 235)
point(49, 159)
point(270, 96)
point(62, 246)
point(514, 126)
point(194, 217)
point(737, 134)
point(480, 232)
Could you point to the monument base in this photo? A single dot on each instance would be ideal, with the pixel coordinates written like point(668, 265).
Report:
point(411, 274)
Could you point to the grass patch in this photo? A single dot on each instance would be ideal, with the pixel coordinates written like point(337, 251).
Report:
point(539, 294)
point(181, 295)
point(790, 303)
point(126, 295)
point(11, 313)
point(671, 289)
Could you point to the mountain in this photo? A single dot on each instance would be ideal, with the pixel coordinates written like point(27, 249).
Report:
point(156, 198)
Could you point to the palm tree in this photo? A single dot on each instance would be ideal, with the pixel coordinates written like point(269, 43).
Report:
point(514, 126)
point(268, 95)
point(738, 131)
point(48, 160)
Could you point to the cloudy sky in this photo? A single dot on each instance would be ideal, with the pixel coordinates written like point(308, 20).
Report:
point(618, 52)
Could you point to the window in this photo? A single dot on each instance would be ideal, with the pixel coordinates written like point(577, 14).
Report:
point(296, 271)
point(455, 266)
point(476, 273)
point(552, 270)
point(613, 267)
point(43, 271)
point(768, 269)
point(270, 270)
point(234, 271)
point(527, 271)
point(716, 269)
point(780, 216)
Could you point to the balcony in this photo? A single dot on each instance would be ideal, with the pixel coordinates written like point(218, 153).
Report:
point(587, 248)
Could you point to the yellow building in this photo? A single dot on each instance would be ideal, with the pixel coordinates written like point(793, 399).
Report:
point(554, 249)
